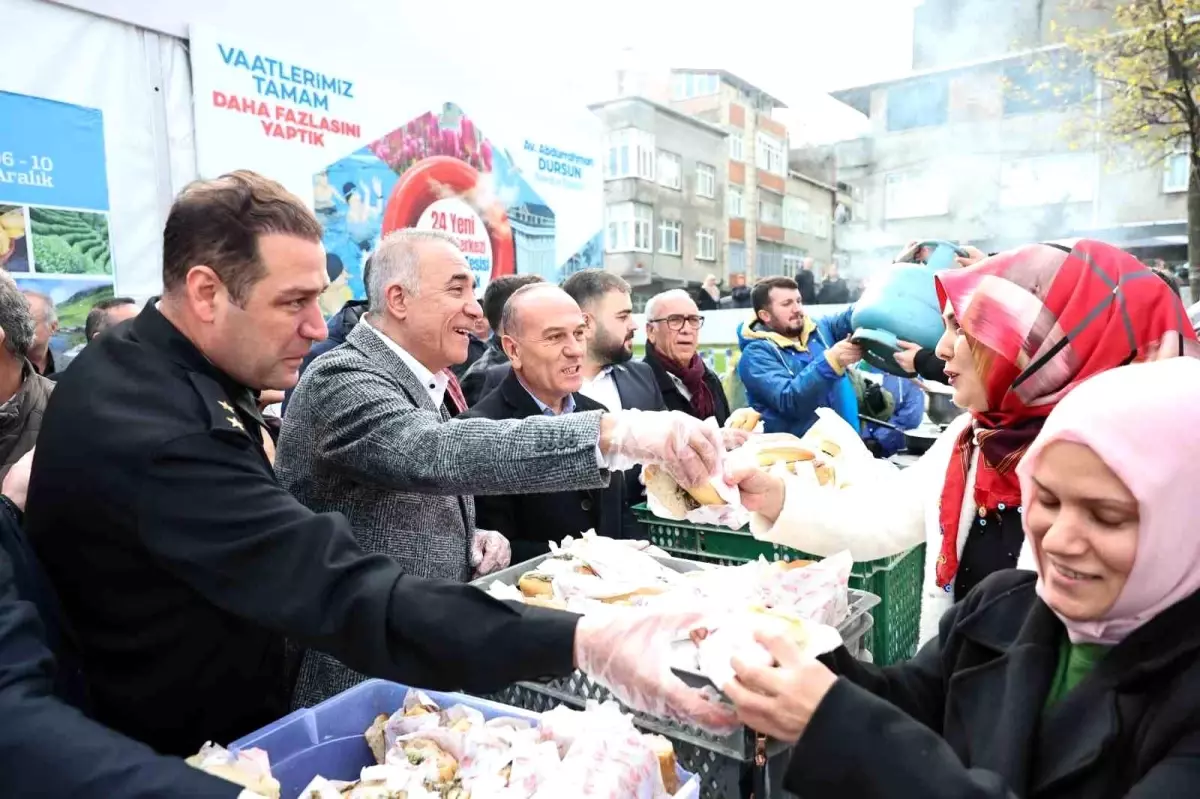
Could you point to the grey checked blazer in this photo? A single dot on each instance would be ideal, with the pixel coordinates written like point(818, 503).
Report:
point(361, 436)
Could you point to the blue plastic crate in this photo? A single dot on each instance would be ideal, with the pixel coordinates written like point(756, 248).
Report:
point(328, 739)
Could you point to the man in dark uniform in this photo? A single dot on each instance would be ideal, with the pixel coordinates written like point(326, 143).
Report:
point(180, 561)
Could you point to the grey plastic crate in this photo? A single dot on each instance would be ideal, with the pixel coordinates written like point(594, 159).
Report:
point(718, 760)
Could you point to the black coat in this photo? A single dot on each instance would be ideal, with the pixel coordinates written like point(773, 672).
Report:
point(181, 563)
point(670, 385)
point(48, 748)
point(530, 520)
point(636, 386)
point(966, 717)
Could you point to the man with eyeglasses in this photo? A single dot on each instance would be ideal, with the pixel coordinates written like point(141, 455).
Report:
point(673, 323)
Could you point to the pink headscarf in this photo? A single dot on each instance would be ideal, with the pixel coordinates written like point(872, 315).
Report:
point(1143, 421)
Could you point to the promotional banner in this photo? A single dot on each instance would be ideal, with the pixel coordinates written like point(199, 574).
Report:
point(54, 227)
point(516, 180)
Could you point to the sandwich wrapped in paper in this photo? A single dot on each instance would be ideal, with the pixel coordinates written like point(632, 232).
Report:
point(425, 752)
point(710, 649)
point(249, 768)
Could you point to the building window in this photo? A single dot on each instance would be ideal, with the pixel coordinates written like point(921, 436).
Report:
point(737, 258)
point(737, 146)
point(670, 237)
point(706, 181)
point(793, 259)
point(737, 208)
point(918, 103)
point(1175, 171)
point(706, 244)
point(795, 214)
point(686, 85)
point(770, 213)
point(915, 193)
point(1048, 180)
point(629, 228)
point(1061, 82)
point(769, 154)
point(630, 155)
point(670, 171)
point(768, 260)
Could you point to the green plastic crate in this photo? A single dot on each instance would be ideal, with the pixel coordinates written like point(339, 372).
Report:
point(895, 580)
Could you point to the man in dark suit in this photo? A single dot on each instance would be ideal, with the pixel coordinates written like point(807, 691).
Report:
point(545, 336)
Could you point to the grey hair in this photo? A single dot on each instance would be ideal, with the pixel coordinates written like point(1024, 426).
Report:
point(397, 260)
point(589, 285)
point(652, 303)
point(16, 317)
point(50, 315)
point(510, 322)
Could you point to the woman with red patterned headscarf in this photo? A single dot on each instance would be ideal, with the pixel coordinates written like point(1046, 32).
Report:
point(1023, 328)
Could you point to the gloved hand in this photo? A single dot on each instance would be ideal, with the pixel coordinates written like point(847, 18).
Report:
point(733, 438)
point(628, 652)
point(490, 552)
point(686, 448)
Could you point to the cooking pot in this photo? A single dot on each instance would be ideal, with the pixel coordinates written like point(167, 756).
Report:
point(901, 304)
point(941, 408)
point(916, 442)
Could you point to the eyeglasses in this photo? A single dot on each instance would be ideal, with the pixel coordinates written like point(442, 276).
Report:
point(676, 321)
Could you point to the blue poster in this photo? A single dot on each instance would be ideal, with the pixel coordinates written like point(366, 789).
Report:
point(54, 231)
point(51, 154)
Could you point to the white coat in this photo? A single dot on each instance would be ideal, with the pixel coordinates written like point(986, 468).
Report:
point(885, 512)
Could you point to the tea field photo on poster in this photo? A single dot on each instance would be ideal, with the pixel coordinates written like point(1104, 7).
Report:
point(66, 242)
point(73, 296)
point(14, 243)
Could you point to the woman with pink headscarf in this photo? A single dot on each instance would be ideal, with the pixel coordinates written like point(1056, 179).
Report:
point(1079, 680)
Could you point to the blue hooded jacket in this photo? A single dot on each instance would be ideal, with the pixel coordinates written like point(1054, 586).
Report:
point(787, 380)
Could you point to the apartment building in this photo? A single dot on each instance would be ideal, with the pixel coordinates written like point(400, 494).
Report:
point(958, 153)
point(665, 196)
point(757, 164)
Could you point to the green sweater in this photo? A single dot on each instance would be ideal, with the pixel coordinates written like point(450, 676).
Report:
point(1074, 663)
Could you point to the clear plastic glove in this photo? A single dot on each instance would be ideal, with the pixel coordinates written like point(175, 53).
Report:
point(490, 552)
point(685, 447)
point(733, 438)
point(16, 482)
point(628, 652)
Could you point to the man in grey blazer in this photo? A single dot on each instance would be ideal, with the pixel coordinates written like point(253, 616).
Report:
point(367, 433)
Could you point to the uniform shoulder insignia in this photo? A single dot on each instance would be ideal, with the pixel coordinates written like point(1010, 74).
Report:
point(222, 417)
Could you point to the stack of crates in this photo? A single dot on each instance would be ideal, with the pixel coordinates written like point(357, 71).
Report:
point(896, 580)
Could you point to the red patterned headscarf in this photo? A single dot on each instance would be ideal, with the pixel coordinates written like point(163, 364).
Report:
point(1040, 320)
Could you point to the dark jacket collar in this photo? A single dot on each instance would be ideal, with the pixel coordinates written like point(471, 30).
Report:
point(155, 330)
point(524, 405)
point(342, 322)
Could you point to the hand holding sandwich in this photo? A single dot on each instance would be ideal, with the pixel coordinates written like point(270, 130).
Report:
point(628, 652)
point(779, 700)
point(683, 446)
point(761, 492)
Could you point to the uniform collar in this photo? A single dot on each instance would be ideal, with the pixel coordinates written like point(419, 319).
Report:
point(157, 331)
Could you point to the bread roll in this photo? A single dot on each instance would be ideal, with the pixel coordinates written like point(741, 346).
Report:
point(376, 736)
point(770, 456)
point(665, 751)
point(546, 602)
point(535, 584)
point(743, 419)
point(677, 500)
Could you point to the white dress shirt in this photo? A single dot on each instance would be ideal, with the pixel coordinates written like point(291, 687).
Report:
point(603, 389)
point(435, 384)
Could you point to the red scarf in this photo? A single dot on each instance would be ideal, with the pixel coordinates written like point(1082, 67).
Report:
point(692, 376)
point(1040, 321)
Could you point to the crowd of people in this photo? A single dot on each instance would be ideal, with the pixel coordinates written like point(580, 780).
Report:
point(178, 566)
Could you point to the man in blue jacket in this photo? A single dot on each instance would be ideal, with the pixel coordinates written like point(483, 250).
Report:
point(792, 364)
